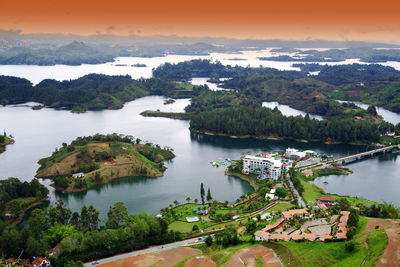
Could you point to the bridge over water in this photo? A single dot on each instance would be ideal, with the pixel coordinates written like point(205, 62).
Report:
point(369, 153)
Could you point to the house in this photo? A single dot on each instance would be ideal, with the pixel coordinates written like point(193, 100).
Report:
point(275, 237)
point(234, 216)
point(297, 237)
point(266, 216)
point(286, 238)
point(252, 164)
point(328, 201)
point(310, 237)
point(78, 175)
point(322, 206)
point(293, 153)
point(41, 262)
point(323, 238)
point(341, 235)
point(274, 226)
point(291, 213)
point(261, 235)
point(270, 195)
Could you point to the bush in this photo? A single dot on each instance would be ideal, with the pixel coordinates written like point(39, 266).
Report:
point(350, 246)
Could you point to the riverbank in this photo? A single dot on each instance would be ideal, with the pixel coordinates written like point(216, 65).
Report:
point(244, 177)
point(21, 216)
point(273, 138)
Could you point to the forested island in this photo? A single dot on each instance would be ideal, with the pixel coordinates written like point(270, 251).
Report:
point(100, 158)
point(90, 92)
point(365, 54)
point(4, 141)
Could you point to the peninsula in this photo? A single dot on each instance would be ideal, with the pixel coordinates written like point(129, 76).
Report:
point(5, 140)
point(99, 159)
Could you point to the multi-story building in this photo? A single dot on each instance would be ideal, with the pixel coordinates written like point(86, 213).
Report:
point(269, 165)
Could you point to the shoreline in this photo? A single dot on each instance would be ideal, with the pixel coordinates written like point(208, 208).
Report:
point(69, 190)
point(21, 217)
point(271, 138)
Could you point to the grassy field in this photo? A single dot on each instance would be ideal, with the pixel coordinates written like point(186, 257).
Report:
point(280, 207)
point(311, 191)
point(377, 241)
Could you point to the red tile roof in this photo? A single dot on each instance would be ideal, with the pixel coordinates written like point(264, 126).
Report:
point(297, 237)
point(310, 236)
point(261, 234)
point(325, 198)
point(322, 206)
point(290, 213)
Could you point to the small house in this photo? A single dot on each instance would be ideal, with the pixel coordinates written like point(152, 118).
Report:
point(328, 201)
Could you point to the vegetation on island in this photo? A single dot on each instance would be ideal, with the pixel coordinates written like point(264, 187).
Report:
point(100, 158)
point(365, 54)
point(171, 115)
point(90, 92)
point(4, 141)
point(264, 122)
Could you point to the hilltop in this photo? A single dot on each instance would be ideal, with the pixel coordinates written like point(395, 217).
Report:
point(99, 159)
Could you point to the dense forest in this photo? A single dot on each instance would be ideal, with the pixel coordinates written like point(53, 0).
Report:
point(373, 84)
point(92, 91)
point(263, 122)
point(78, 236)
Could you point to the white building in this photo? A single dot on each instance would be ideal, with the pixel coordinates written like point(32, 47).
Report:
point(263, 165)
point(270, 195)
point(292, 152)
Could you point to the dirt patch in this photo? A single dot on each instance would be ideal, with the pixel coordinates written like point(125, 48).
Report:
point(165, 258)
point(200, 261)
point(248, 257)
point(382, 223)
point(391, 255)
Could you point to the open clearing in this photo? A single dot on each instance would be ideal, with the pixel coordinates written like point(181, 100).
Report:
point(165, 258)
point(248, 256)
point(382, 223)
point(200, 261)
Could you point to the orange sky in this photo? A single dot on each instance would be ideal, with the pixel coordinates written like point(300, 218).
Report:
point(285, 19)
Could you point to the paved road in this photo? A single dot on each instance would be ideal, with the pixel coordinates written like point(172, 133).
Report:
point(147, 250)
point(300, 200)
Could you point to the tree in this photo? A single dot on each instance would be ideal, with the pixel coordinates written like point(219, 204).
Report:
point(208, 241)
point(38, 223)
point(202, 192)
point(209, 197)
point(117, 215)
point(93, 216)
point(281, 192)
point(176, 203)
point(196, 200)
point(195, 228)
point(187, 199)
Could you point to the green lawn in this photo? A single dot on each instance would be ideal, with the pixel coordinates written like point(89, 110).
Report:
point(185, 227)
point(311, 191)
point(280, 207)
point(325, 254)
point(377, 241)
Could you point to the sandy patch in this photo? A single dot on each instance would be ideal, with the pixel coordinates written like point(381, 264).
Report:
point(200, 261)
point(165, 258)
point(382, 223)
point(248, 257)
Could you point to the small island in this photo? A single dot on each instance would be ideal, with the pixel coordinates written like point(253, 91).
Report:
point(5, 140)
point(138, 65)
point(169, 101)
point(99, 159)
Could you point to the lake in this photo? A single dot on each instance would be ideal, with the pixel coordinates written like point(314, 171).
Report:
point(39, 133)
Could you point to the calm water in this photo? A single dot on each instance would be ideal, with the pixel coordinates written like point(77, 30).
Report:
point(38, 133)
point(387, 115)
point(289, 111)
point(63, 72)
